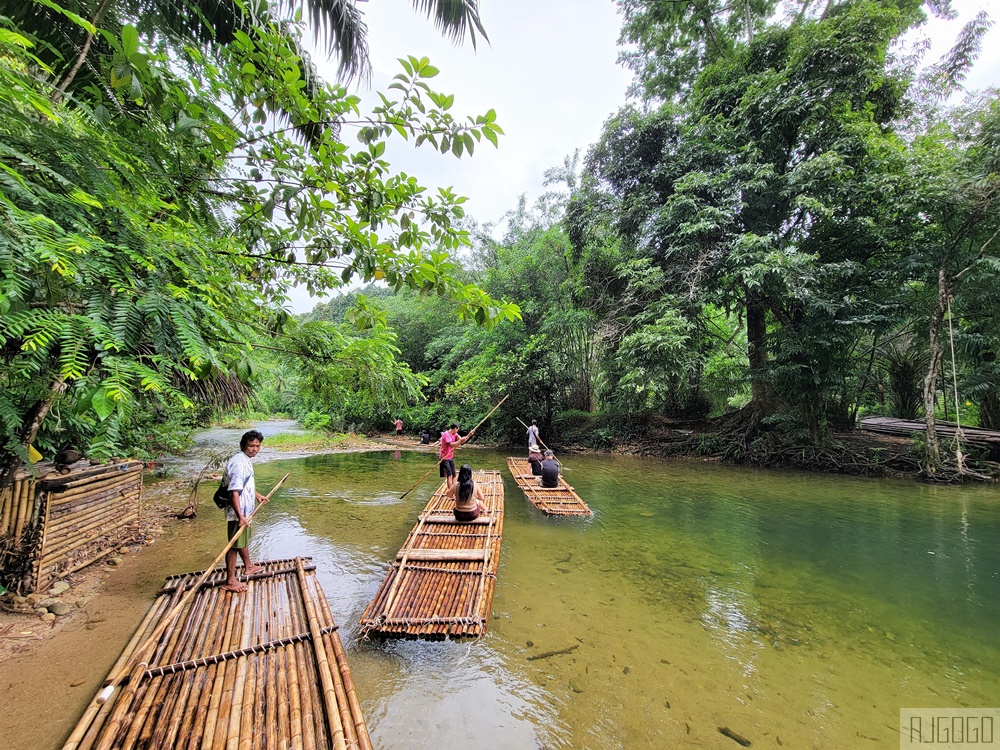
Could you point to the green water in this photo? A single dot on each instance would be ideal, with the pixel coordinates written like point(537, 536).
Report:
point(797, 610)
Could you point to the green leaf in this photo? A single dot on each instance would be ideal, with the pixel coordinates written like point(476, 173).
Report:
point(102, 404)
point(78, 20)
point(130, 40)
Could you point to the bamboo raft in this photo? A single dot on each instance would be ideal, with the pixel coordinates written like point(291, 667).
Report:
point(250, 671)
point(441, 583)
point(555, 501)
point(60, 523)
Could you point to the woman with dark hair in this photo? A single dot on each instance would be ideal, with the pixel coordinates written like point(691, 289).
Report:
point(469, 500)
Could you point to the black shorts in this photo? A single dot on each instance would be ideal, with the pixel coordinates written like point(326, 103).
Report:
point(466, 515)
point(448, 467)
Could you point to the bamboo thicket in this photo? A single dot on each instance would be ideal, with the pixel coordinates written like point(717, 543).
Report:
point(555, 501)
point(441, 583)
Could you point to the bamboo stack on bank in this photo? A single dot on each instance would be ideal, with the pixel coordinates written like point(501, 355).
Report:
point(260, 669)
point(554, 501)
point(59, 523)
point(441, 583)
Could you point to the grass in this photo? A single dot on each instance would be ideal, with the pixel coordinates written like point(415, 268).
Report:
point(313, 440)
point(235, 423)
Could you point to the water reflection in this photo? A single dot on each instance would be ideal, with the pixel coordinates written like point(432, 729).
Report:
point(800, 608)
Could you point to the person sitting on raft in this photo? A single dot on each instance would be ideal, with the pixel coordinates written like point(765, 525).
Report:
point(550, 471)
point(469, 500)
point(535, 457)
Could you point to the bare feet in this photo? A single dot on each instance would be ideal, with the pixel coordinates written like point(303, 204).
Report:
point(234, 586)
point(251, 569)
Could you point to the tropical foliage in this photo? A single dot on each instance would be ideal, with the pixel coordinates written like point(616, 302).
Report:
point(153, 220)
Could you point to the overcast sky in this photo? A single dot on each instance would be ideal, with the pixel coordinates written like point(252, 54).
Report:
point(550, 72)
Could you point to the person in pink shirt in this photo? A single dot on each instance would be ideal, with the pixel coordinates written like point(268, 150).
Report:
point(399, 427)
point(449, 442)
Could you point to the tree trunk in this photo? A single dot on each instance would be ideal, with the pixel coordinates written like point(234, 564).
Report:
point(10, 461)
point(762, 394)
point(932, 453)
point(989, 410)
point(81, 58)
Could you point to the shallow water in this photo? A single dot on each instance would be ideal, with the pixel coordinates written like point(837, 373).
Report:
point(797, 610)
point(804, 609)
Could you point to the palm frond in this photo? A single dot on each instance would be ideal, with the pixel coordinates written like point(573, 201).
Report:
point(454, 18)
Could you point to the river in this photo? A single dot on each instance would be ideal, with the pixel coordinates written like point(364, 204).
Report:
point(797, 610)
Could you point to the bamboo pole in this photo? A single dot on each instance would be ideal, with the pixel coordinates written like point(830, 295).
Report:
point(469, 435)
point(6, 503)
point(283, 699)
point(22, 507)
point(354, 705)
point(391, 596)
point(334, 723)
point(214, 695)
point(76, 526)
point(65, 494)
point(129, 694)
point(205, 629)
point(230, 739)
point(70, 515)
point(85, 476)
point(55, 552)
point(93, 719)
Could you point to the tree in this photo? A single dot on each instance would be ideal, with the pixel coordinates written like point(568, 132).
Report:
point(958, 163)
point(135, 258)
point(762, 193)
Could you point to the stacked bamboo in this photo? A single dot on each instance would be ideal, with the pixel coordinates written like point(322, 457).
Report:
point(16, 505)
point(255, 670)
point(80, 510)
point(441, 583)
point(555, 501)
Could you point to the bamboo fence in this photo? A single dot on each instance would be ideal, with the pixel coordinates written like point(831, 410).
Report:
point(255, 670)
point(441, 583)
point(556, 501)
point(57, 524)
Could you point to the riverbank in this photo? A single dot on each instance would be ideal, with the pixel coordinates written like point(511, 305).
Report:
point(76, 602)
point(730, 440)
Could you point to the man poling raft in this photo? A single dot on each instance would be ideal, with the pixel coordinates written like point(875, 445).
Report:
point(455, 442)
point(533, 434)
point(131, 672)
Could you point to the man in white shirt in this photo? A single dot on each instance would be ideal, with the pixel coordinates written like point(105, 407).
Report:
point(243, 497)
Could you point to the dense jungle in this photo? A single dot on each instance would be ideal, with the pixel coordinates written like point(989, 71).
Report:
point(791, 226)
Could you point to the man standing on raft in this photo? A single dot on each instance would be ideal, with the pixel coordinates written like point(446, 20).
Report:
point(449, 442)
point(243, 497)
point(533, 438)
